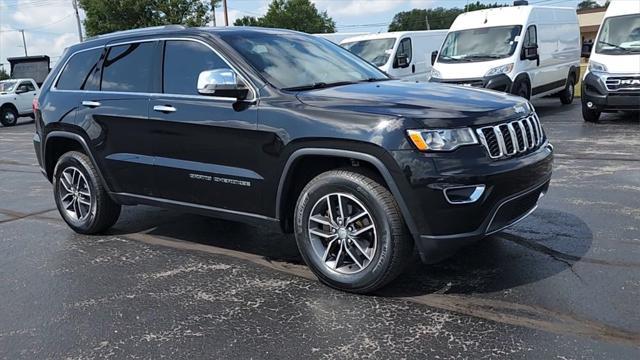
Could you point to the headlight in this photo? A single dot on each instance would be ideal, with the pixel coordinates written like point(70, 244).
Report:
point(435, 73)
point(502, 69)
point(596, 66)
point(442, 140)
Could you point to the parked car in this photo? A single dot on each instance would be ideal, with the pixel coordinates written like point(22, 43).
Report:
point(336, 38)
point(16, 98)
point(282, 128)
point(402, 55)
point(612, 80)
point(529, 51)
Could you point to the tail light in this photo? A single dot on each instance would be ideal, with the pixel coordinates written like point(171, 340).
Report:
point(35, 105)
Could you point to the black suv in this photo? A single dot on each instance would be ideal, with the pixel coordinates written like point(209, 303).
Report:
point(283, 128)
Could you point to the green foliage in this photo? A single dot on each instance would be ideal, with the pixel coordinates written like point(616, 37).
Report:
point(300, 15)
point(439, 18)
point(114, 15)
point(4, 75)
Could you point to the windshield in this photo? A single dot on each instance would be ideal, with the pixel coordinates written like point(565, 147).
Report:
point(619, 35)
point(298, 61)
point(481, 44)
point(376, 51)
point(6, 86)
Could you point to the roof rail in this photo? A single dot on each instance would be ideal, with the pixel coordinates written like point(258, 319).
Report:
point(139, 30)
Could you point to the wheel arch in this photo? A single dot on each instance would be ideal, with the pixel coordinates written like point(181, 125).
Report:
point(575, 71)
point(57, 143)
point(521, 77)
point(371, 165)
point(9, 105)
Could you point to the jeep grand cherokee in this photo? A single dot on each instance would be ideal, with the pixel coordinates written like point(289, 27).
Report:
point(283, 128)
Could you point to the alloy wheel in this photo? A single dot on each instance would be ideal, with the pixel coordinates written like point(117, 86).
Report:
point(74, 194)
point(342, 233)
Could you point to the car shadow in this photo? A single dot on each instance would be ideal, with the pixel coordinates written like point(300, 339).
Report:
point(546, 243)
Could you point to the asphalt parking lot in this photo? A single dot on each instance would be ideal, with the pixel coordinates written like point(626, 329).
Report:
point(564, 283)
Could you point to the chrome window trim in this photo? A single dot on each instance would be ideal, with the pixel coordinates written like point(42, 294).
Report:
point(252, 87)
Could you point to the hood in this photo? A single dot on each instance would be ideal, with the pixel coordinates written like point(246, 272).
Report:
point(468, 70)
point(618, 64)
point(432, 103)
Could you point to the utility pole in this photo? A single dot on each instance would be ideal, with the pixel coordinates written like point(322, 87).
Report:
point(426, 20)
point(226, 15)
point(213, 11)
point(75, 8)
point(24, 43)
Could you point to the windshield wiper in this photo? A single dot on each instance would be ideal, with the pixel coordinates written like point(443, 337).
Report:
point(615, 46)
point(374, 80)
point(318, 85)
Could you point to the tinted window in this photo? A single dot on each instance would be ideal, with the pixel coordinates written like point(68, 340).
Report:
point(81, 72)
point(128, 68)
point(405, 48)
point(183, 62)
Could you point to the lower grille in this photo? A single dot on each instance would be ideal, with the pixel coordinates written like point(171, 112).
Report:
point(516, 137)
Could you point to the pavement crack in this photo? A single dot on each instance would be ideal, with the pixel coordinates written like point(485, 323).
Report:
point(16, 215)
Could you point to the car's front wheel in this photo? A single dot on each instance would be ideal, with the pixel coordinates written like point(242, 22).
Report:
point(8, 116)
point(80, 196)
point(350, 231)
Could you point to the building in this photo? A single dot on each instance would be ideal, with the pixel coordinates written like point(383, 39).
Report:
point(590, 20)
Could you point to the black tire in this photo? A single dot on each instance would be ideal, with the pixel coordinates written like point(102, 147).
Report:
point(393, 245)
point(590, 115)
point(522, 89)
point(102, 211)
point(567, 95)
point(8, 116)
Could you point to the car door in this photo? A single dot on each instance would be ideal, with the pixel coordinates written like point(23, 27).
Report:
point(408, 70)
point(205, 146)
point(25, 92)
point(533, 67)
point(115, 116)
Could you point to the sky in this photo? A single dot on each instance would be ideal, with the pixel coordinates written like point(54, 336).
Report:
point(50, 25)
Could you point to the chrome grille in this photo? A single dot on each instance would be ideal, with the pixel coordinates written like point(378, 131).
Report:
point(509, 139)
point(623, 83)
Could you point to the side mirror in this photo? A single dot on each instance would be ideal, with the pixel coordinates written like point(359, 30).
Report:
point(531, 52)
point(434, 56)
point(21, 89)
point(223, 83)
point(586, 54)
point(402, 60)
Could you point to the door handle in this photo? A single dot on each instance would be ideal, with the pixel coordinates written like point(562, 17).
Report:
point(91, 104)
point(164, 108)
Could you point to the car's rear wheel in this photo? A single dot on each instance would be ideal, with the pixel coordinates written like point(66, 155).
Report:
point(80, 196)
point(8, 116)
point(350, 231)
point(567, 95)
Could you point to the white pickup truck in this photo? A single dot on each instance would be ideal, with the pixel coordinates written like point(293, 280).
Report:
point(16, 98)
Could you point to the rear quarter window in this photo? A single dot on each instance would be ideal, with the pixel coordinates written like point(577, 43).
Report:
point(81, 71)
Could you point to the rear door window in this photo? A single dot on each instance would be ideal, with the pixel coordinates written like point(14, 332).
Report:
point(81, 72)
point(183, 62)
point(128, 68)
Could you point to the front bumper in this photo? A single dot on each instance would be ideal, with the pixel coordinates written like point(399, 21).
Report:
point(595, 91)
point(497, 82)
point(512, 189)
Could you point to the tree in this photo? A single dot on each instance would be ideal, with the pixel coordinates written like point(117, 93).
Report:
point(3, 74)
point(108, 16)
point(438, 18)
point(300, 15)
point(592, 4)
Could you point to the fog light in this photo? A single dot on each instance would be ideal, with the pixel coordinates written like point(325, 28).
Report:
point(463, 194)
point(589, 104)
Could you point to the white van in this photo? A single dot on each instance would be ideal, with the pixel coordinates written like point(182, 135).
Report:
point(336, 38)
point(612, 81)
point(402, 54)
point(530, 51)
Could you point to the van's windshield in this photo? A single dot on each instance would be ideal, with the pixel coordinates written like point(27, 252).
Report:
point(482, 44)
point(619, 35)
point(6, 86)
point(375, 51)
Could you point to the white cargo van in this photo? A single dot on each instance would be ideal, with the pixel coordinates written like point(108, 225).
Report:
point(530, 51)
point(403, 54)
point(336, 38)
point(612, 81)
